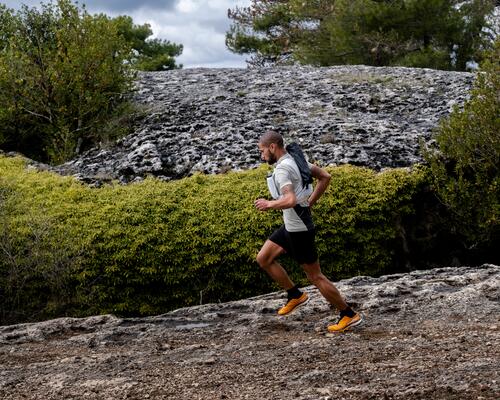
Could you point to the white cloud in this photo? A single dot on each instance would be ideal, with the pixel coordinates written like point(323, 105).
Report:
point(187, 6)
point(199, 25)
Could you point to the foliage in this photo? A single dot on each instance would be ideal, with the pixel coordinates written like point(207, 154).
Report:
point(443, 34)
point(265, 29)
point(60, 83)
point(150, 54)
point(64, 89)
point(35, 264)
point(153, 246)
point(465, 165)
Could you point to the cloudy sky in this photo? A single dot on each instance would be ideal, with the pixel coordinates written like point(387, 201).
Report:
point(199, 25)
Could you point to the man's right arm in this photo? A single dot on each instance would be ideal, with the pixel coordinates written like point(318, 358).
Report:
point(287, 197)
point(286, 200)
point(323, 178)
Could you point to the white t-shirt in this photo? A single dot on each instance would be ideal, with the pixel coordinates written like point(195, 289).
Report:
point(286, 172)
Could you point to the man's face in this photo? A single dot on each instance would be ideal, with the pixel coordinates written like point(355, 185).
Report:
point(267, 153)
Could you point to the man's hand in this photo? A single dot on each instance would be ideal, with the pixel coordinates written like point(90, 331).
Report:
point(262, 204)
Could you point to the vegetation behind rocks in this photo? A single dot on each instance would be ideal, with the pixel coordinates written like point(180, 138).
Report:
point(441, 34)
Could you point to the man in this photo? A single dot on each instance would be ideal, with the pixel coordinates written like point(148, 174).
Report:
point(296, 236)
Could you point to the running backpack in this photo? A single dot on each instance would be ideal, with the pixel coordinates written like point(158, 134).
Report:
point(305, 173)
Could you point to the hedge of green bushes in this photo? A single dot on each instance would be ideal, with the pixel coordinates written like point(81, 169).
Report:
point(149, 247)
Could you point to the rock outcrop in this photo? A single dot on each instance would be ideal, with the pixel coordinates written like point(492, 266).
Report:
point(431, 334)
point(209, 120)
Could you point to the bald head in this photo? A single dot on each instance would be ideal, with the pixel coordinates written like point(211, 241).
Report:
point(271, 137)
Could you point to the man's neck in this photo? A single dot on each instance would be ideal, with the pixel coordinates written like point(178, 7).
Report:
point(280, 153)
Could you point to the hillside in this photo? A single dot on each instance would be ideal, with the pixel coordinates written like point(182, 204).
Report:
point(209, 120)
point(428, 335)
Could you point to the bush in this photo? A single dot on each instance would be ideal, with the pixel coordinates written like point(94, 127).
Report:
point(61, 84)
point(36, 263)
point(153, 246)
point(465, 164)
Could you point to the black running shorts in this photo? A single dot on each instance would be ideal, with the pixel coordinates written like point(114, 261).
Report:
point(299, 245)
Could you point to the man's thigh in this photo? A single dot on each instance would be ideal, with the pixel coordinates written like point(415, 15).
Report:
point(270, 251)
point(303, 247)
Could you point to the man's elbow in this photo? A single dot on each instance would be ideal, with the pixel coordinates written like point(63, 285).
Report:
point(291, 202)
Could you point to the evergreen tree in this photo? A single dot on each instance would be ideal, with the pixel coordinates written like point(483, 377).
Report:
point(264, 29)
point(442, 34)
point(149, 54)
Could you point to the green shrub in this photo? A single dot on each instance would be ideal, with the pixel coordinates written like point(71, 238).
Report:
point(153, 246)
point(61, 84)
point(465, 165)
point(37, 265)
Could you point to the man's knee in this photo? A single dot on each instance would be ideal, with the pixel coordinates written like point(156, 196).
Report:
point(268, 254)
point(263, 259)
point(315, 277)
point(314, 274)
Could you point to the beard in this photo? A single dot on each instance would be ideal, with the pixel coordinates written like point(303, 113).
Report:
point(272, 159)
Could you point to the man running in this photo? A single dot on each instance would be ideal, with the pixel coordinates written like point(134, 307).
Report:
point(296, 236)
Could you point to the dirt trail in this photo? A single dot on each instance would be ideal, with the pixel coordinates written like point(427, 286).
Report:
point(428, 335)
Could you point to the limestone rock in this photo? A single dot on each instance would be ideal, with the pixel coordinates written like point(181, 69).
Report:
point(430, 334)
point(208, 120)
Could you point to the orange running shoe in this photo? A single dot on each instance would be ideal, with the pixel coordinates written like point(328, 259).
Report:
point(345, 323)
point(292, 304)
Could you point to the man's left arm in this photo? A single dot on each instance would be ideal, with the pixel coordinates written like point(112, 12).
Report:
point(323, 179)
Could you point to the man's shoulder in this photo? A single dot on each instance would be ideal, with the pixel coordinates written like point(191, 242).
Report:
point(284, 169)
point(286, 163)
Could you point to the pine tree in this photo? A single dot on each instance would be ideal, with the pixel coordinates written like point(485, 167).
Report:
point(443, 34)
point(149, 54)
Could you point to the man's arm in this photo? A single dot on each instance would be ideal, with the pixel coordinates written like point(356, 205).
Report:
point(323, 178)
point(287, 200)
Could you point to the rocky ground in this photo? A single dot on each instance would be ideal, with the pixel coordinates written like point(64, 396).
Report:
point(208, 120)
point(428, 335)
